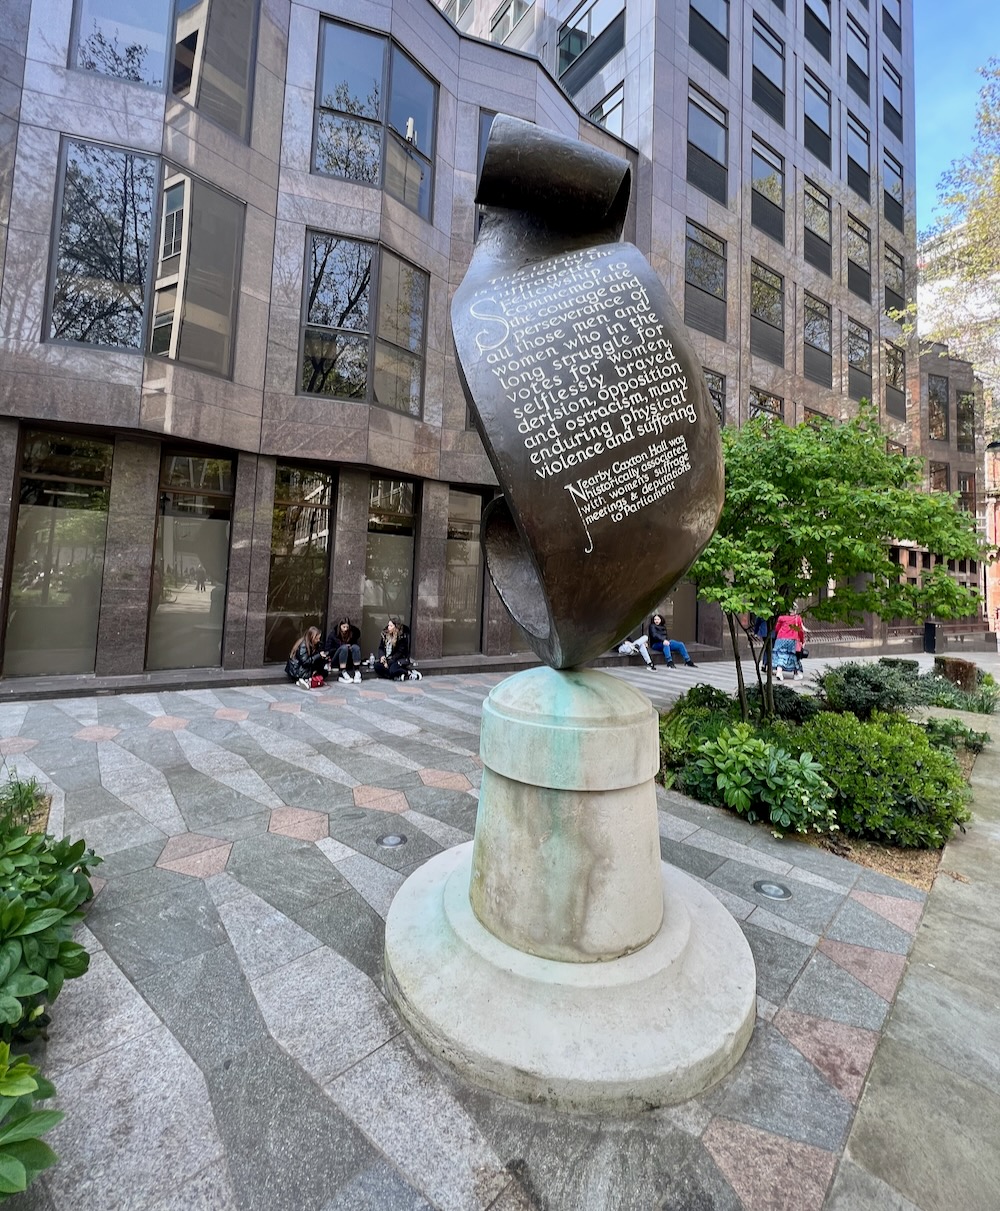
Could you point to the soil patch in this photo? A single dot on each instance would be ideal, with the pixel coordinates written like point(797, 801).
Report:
point(38, 821)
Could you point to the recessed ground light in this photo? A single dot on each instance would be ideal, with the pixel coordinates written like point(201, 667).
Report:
point(391, 841)
point(773, 891)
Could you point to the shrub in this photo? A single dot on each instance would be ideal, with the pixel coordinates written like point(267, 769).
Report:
point(910, 668)
point(18, 799)
point(43, 882)
point(707, 697)
point(22, 1152)
point(760, 781)
point(953, 734)
point(889, 783)
point(788, 704)
point(862, 688)
point(681, 731)
point(934, 690)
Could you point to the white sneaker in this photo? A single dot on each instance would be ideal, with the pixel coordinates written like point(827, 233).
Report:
point(357, 674)
point(345, 675)
point(798, 676)
point(414, 675)
point(304, 684)
point(779, 674)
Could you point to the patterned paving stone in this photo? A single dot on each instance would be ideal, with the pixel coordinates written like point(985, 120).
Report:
point(842, 1053)
point(373, 694)
point(195, 855)
point(904, 913)
point(380, 799)
point(879, 971)
point(232, 713)
point(16, 744)
point(767, 1171)
point(298, 822)
point(169, 723)
point(97, 733)
point(444, 779)
point(286, 708)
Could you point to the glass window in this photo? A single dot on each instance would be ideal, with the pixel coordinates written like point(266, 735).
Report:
point(857, 45)
point(196, 287)
point(817, 211)
point(463, 584)
point(892, 447)
point(767, 295)
point(388, 558)
point(589, 21)
point(715, 12)
point(893, 177)
point(859, 347)
point(300, 550)
point(892, 86)
point(705, 261)
point(187, 602)
point(213, 59)
point(57, 566)
point(762, 403)
point(706, 126)
point(768, 172)
point(102, 252)
point(506, 17)
point(965, 418)
point(857, 142)
point(820, 10)
point(610, 112)
point(817, 103)
point(939, 477)
point(818, 330)
point(894, 9)
point(123, 39)
point(895, 366)
point(967, 497)
point(361, 137)
point(717, 390)
point(859, 243)
point(895, 276)
point(768, 54)
point(937, 407)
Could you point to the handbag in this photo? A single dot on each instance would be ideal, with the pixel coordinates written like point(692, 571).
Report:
point(316, 681)
point(804, 654)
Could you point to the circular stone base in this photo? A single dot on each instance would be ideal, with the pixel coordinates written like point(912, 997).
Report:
point(649, 1029)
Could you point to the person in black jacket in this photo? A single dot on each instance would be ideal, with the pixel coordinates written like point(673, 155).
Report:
point(660, 642)
point(345, 650)
point(306, 659)
point(394, 653)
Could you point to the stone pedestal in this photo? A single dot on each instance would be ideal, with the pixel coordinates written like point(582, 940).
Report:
point(556, 958)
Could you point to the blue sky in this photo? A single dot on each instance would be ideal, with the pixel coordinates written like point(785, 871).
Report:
point(951, 39)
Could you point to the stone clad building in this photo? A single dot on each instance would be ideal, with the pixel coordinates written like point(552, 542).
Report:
point(229, 232)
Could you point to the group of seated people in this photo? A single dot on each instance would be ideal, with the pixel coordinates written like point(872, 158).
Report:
point(656, 639)
point(311, 661)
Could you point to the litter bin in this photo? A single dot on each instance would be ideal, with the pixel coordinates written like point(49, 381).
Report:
point(930, 636)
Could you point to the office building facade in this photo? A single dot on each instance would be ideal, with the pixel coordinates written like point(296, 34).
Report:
point(229, 233)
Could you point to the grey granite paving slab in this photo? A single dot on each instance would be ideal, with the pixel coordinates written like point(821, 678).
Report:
point(699, 862)
point(763, 918)
point(294, 752)
point(288, 1147)
point(779, 960)
point(438, 830)
point(379, 1186)
point(914, 1114)
point(871, 880)
point(827, 991)
point(698, 1185)
point(262, 937)
point(90, 804)
point(854, 1189)
point(288, 873)
point(141, 786)
point(728, 847)
point(673, 828)
point(235, 828)
point(973, 962)
point(301, 789)
point(775, 1088)
point(209, 1190)
point(362, 835)
point(156, 746)
point(861, 926)
point(121, 829)
point(975, 901)
point(348, 925)
point(204, 802)
point(810, 907)
point(375, 883)
point(126, 861)
point(71, 764)
point(219, 763)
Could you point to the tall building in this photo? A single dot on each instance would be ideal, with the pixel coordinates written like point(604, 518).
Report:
point(229, 232)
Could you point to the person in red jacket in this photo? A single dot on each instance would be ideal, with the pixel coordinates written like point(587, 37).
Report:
point(789, 639)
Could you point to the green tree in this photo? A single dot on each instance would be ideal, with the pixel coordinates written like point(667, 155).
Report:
point(819, 505)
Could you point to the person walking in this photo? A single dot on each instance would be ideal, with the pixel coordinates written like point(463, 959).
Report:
point(306, 660)
point(660, 642)
point(789, 639)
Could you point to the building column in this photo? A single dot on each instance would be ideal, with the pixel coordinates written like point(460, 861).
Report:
point(429, 567)
point(8, 506)
point(350, 539)
point(128, 557)
point(260, 562)
point(241, 537)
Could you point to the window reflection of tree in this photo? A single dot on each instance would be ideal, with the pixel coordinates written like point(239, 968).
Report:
point(99, 53)
point(348, 143)
point(104, 241)
point(336, 363)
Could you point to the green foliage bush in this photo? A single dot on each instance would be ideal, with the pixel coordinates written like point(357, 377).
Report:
point(759, 780)
point(863, 688)
point(18, 799)
point(953, 734)
point(22, 1152)
point(890, 784)
point(788, 704)
point(43, 883)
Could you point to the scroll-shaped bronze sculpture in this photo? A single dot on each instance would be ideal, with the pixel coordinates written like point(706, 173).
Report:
point(588, 397)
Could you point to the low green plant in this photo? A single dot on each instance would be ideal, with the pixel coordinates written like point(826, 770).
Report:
point(760, 780)
point(890, 783)
point(953, 734)
point(43, 883)
point(709, 698)
point(863, 688)
point(681, 731)
point(934, 690)
point(23, 1154)
point(910, 668)
point(788, 704)
point(18, 799)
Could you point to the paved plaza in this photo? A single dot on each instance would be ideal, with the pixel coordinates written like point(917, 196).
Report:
point(231, 1047)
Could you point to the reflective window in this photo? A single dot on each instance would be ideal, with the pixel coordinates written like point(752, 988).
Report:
point(857, 45)
point(717, 390)
point(767, 295)
point(857, 142)
point(817, 103)
point(377, 115)
point(123, 39)
point(187, 600)
point(706, 126)
point(859, 346)
point(506, 17)
point(715, 12)
point(768, 55)
point(939, 478)
point(892, 86)
point(705, 261)
point(893, 177)
point(767, 172)
point(365, 312)
point(967, 497)
point(610, 112)
point(937, 407)
point(820, 10)
point(859, 243)
point(586, 25)
point(965, 418)
point(463, 585)
point(895, 278)
point(818, 331)
point(197, 277)
point(213, 59)
point(763, 403)
point(102, 252)
point(817, 211)
point(388, 558)
point(895, 366)
point(57, 566)
point(300, 548)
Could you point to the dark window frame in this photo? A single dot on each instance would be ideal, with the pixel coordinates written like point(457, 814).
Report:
point(938, 395)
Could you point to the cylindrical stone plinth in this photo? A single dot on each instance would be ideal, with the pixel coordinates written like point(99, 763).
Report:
point(566, 861)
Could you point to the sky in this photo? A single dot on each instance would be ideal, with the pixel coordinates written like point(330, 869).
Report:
point(952, 38)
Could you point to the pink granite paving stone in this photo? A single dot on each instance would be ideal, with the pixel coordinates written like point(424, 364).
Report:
point(380, 799)
point(169, 723)
point(186, 844)
point(842, 1053)
point(300, 823)
point(231, 712)
point(203, 865)
point(286, 708)
point(371, 693)
point(767, 1171)
point(97, 733)
point(410, 689)
point(443, 779)
point(16, 744)
point(876, 969)
point(904, 913)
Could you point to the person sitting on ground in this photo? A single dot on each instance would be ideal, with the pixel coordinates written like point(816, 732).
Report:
point(660, 642)
point(394, 653)
point(345, 650)
point(789, 636)
point(306, 659)
point(637, 647)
